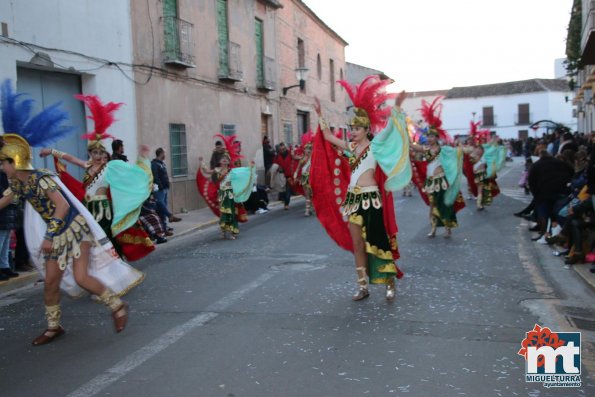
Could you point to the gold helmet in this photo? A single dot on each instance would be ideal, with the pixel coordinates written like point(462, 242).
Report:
point(360, 119)
point(16, 148)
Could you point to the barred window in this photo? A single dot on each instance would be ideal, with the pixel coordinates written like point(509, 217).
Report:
point(177, 143)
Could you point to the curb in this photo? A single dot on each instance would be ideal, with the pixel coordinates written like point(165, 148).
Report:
point(583, 270)
point(24, 279)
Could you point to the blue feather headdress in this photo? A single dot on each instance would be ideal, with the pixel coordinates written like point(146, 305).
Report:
point(43, 129)
point(21, 131)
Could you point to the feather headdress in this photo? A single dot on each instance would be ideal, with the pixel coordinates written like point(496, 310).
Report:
point(307, 139)
point(479, 136)
point(102, 116)
point(21, 131)
point(431, 114)
point(368, 98)
point(232, 147)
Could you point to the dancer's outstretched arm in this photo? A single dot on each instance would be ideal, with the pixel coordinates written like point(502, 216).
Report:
point(65, 156)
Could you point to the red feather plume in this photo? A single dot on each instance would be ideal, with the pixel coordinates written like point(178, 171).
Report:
point(431, 114)
point(370, 95)
point(307, 138)
point(231, 146)
point(479, 136)
point(102, 115)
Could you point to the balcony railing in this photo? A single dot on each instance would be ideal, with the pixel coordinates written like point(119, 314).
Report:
point(178, 42)
point(489, 121)
point(268, 81)
point(523, 118)
point(232, 69)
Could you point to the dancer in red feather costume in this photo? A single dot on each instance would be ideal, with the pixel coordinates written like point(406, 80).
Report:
point(353, 198)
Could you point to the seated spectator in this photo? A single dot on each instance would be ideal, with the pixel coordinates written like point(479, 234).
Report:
point(151, 221)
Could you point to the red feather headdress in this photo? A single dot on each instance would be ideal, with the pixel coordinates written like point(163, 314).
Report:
point(431, 114)
point(103, 117)
point(479, 136)
point(368, 98)
point(232, 148)
point(307, 139)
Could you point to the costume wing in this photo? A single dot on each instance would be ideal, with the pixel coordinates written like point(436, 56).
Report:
point(129, 187)
point(451, 160)
point(208, 190)
point(391, 150)
point(242, 182)
point(329, 178)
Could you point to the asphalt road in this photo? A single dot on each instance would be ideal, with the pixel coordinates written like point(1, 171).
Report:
point(270, 314)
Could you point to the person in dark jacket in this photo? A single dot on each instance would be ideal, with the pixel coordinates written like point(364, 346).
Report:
point(548, 182)
point(118, 150)
point(217, 154)
point(161, 179)
point(8, 222)
point(268, 154)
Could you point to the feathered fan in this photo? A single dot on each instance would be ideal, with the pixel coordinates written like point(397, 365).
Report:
point(45, 128)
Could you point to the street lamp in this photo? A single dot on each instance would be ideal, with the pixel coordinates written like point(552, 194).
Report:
point(301, 74)
point(473, 114)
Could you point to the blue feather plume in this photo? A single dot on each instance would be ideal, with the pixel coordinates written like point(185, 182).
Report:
point(43, 129)
point(15, 113)
point(47, 127)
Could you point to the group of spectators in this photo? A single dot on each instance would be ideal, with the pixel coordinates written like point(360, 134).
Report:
point(562, 183)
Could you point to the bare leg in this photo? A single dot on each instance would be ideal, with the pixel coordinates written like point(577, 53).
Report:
point(432, 222)
point(361, 261)
point(479, 202)
point(108, 297)
point(51, 298)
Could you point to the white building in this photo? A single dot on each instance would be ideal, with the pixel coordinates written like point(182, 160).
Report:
point(53, 49)
point(508, 109)
point(412, 104)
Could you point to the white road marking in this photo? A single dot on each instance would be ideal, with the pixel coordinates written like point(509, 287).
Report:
point(148, 351)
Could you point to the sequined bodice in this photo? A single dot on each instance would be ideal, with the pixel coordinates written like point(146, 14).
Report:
point(34, 191)
point(360, 164)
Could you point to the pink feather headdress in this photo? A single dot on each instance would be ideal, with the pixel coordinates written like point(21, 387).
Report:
point(431, 114)
point(479, 136)
point(102, 116)
point(368, 98)
point(232, 147)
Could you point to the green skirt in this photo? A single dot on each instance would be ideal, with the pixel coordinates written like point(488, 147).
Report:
point(365, 210)
point(102, 213)
point(228, 220)
point(442, 215)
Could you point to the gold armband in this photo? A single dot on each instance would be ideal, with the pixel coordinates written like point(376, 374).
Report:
point(323, 124)
point(57, 153)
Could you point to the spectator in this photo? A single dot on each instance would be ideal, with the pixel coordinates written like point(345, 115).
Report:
point(548, 181)
point(118, 150)
point(161, 179)
point(8, 222)
point(285, 161)
point(268, 154)
point(151, 221)
point(218, 152)
point(567, 142)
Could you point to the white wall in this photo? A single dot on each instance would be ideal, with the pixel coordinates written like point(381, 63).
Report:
point(457, 112)
point(99, 29)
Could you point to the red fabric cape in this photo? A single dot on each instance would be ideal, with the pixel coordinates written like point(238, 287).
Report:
point(468, 171)
point(329, 178)
point(419, 170)
point(208, 190)
point(74, 185)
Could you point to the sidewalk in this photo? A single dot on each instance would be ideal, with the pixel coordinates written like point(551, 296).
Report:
point(191, 221)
